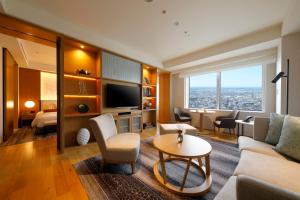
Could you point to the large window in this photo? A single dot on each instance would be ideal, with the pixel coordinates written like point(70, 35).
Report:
point(203, 91)
point(241, 89)
point(237, 89)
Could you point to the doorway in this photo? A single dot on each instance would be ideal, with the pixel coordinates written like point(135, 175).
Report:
point(29, 91)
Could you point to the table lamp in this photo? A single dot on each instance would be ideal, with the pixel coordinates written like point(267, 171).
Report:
point(30, 104)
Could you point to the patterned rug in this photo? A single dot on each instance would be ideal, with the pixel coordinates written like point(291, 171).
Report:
point(115, 181)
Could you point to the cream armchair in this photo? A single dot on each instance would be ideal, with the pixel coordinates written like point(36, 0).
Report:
point(115, 148)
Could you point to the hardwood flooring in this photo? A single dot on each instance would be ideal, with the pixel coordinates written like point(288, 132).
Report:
point(35, 170)
point(26, 134)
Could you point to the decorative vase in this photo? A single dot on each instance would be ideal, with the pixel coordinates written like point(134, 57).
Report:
point(83, 136)
point(181, 132)
point(82, 108)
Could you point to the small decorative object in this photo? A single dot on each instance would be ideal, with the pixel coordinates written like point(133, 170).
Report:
point(147, 105)
point(83, 136)
point(146, 80)
point(180, 134)
point(147, 125)
point(83, 71)
point(82, 108)
point(82, 87)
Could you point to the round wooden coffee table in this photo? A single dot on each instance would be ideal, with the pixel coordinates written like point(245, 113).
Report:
point(191, 150)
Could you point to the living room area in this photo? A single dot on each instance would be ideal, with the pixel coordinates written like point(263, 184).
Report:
point(158, 100)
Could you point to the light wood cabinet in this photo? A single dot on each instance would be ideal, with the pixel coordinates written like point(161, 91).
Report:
point(128, 122)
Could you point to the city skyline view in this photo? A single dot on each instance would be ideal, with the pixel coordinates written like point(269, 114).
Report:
point(240, 89)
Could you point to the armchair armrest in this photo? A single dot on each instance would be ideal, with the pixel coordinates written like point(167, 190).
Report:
point(249, 188)
point(260, 130)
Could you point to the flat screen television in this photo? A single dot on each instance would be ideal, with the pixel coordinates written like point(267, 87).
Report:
point(122, 96)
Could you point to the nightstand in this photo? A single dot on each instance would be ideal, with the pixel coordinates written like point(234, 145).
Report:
point(26, 119)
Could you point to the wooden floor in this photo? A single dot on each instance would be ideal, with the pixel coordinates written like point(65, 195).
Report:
point(35, 170)
point(25, 134)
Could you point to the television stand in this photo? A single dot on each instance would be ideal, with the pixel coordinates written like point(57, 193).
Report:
point(127, 120)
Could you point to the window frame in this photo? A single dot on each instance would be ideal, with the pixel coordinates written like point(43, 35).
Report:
point(219, 87)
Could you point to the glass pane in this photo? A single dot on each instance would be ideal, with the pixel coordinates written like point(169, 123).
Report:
point(203, 91)
point(241, 89)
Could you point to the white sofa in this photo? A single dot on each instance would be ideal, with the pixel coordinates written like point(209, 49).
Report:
point(262, 173)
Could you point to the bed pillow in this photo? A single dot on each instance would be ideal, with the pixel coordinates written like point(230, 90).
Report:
point(275, 127)
point(289, 142)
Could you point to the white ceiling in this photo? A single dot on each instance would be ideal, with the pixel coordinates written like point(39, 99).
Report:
point(140, 30)
point(30, 54)
point(38, 56)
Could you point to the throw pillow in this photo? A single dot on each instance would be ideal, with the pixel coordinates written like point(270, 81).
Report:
point(289, 142)
point(275, 126)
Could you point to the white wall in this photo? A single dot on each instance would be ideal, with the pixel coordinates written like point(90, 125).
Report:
point(291, 50)
point(1, 94)
point(178, 94)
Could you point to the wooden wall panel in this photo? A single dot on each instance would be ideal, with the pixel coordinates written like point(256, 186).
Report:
point(30, 88)
point(164, 98)
point(10, 114)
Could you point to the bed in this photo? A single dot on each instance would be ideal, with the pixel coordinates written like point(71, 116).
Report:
point(45, 120)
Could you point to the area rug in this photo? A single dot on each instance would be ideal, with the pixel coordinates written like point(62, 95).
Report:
point(115, 182)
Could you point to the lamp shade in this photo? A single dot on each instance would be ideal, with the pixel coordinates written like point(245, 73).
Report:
point(29, 104)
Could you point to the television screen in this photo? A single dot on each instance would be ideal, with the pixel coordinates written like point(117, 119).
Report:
point(122, 96)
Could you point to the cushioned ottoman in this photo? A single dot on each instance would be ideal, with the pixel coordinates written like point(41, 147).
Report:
point(173, 128)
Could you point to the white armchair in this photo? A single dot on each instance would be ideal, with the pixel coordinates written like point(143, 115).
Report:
point(115, 148)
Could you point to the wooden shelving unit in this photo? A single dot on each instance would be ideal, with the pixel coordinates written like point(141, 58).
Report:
point(81, 114)
point(80, 88)
point(149, 95)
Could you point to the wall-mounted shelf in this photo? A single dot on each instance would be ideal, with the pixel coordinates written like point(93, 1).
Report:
point(81, 76)
point(148, 110)
point(81, 95)
point(81, 114)
point(149, 96)
point(80, 88)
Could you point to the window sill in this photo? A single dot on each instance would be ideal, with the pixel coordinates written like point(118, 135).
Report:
point(223, 110)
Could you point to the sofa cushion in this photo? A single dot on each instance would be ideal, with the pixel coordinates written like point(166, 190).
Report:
point(246, 143)
point(280, 172)
point(228, 191)
point(289, 142)
point(275, 126)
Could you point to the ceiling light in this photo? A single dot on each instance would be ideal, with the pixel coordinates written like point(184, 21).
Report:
point(176, 23)
point(164, 12)
point(82, 46)
point(148, 1)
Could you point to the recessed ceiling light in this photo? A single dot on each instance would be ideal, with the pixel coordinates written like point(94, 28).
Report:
point(176, 23)
point(164, 12)
point(185, 32)
point(148, 1)
point(82, 46)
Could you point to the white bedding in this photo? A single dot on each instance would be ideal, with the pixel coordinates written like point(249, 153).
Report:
point(43, 119)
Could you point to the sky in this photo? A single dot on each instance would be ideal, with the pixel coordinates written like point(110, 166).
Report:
point(243, 77)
